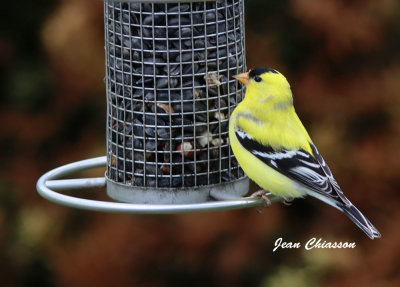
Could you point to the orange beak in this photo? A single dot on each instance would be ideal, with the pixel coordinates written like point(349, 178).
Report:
point(244, 78)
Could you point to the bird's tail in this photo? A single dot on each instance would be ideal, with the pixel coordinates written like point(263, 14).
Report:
point(359, 219)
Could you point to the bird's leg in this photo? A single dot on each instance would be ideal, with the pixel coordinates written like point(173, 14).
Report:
point(288, 201)
point(263, 195)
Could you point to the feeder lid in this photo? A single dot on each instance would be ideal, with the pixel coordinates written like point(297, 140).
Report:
point(159, 1)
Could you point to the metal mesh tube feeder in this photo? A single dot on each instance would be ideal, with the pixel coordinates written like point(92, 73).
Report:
point(170, 92)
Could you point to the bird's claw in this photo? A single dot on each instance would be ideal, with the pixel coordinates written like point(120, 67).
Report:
point(263, 195)
point(288, 202)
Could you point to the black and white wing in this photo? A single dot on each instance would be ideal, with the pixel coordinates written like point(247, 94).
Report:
point(299, 165)
point(311, 171)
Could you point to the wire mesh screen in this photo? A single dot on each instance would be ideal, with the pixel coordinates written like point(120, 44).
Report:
point(170, 91)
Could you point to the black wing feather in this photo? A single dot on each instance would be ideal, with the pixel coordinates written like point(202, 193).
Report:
point(311, 171)
point(298, 165)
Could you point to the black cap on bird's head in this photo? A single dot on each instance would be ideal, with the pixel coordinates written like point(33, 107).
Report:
point(253, 74)
point(259, 71)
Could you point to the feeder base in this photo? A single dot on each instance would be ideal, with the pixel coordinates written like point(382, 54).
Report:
point(131, 194)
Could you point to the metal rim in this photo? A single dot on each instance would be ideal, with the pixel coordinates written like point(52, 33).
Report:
point(48, 181)
point(157, 1)
point(183, 195)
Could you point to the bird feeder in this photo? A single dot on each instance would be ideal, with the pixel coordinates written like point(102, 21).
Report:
point(170, 92)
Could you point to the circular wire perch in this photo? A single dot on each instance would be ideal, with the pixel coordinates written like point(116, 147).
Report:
point(48, 187)
point(170, 92)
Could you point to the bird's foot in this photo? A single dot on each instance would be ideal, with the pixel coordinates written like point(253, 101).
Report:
point(288, 202)
point(263, 194)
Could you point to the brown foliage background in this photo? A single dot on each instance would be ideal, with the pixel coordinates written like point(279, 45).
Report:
point(343, 61)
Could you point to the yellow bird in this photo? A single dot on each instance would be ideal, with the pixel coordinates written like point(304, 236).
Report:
point(275, 150)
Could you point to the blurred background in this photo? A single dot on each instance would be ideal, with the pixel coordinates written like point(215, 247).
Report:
point(342, 59)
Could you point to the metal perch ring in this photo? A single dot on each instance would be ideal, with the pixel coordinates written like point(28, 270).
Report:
point(49, 184)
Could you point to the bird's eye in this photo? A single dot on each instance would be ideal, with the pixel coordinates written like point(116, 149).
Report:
point(257, 79)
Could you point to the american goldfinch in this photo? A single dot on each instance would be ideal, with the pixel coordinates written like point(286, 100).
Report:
point(275, 150)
